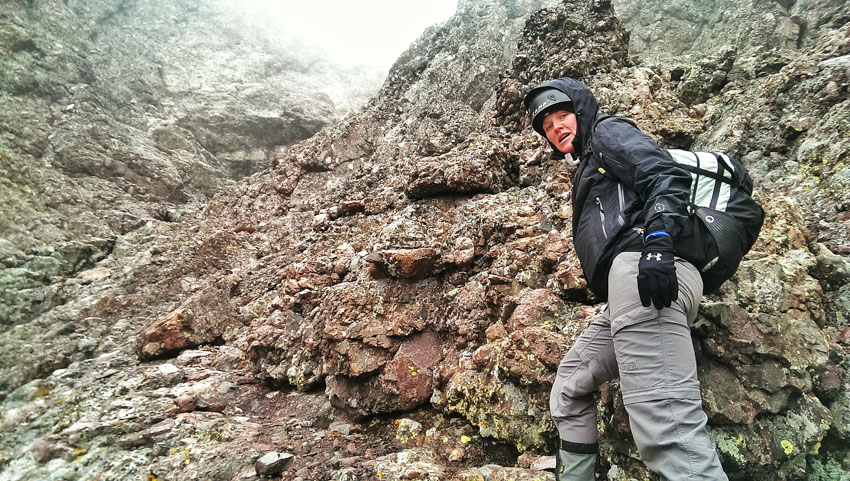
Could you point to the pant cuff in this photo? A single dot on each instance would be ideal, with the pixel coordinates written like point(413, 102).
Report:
point(579, 448)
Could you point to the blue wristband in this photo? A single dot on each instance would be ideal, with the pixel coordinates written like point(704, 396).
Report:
point(656, 234)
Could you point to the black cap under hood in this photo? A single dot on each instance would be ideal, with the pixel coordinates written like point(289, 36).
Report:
point(585, 107)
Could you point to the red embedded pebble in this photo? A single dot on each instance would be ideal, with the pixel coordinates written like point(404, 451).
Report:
point(186, 403)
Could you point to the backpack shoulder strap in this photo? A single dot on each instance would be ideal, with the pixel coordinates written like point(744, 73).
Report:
point(605, 117)
point(598, 121)
point(708, 164)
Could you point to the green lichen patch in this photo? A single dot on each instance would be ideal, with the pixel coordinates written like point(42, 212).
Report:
point(501, 409)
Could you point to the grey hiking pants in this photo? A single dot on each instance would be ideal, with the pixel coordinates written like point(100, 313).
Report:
point(652, 352)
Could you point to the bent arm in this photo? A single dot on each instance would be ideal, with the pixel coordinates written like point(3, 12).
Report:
point(638, 162)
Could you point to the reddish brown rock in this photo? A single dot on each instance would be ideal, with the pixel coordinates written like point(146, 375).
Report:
point(200, 319)
point(373, 311)
point(534, 308)
point(784, 228)
point(351, 207)
point(313, 274)
point(496, 332)
point(557, 247)
point(474, 168)
point(245, 228)
point(501, 235)
point(93, 275)
point(726, 402)
point(406, 382)
point(411, 264)
point(531, 355)
point(570, 277)
point(410, 375)
point(485, 356)
point(354, 358)
point(424, 349)
point(844, 338)
point(186, 403)
point(463, 253)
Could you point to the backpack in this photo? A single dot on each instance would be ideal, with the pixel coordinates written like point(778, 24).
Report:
point(725, 221)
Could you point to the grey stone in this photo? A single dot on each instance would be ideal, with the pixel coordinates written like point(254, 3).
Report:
point(273, 463)
point(341, 427)
point(544, 463)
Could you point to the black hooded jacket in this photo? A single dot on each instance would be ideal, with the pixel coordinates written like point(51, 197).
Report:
point(625, 186)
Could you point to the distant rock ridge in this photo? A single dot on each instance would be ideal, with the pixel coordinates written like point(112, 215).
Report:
point(706, 45)
point(663, 31)
point(117, 112)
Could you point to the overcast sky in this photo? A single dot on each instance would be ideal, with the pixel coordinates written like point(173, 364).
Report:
point(369, 32)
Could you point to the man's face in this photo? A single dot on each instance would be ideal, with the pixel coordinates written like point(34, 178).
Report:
point(560, 128)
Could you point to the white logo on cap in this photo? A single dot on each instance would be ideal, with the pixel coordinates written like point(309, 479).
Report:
point(539, 108)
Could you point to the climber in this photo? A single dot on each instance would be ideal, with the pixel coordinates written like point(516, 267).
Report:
point(629, 205)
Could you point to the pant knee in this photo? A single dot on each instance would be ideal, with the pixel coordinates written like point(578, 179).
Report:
point(577, 384)
point(671, 437)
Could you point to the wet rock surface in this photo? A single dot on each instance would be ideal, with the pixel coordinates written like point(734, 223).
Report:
point(391, 299)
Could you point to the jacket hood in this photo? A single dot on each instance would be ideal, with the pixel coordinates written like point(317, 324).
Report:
point(585, 107)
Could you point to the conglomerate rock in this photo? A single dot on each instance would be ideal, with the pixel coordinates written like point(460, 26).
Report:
point(394, 295)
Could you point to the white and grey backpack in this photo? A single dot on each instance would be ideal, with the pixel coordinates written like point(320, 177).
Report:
point(725, 220)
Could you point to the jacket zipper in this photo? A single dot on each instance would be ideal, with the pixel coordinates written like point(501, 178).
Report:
point(622, 197)
point(602, 216)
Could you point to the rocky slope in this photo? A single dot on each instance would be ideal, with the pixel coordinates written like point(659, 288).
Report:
point(117, 113)
point(663, 31)
point(706, 45)
point(391, 299)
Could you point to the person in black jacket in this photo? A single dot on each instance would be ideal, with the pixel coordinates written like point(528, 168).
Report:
point(629, 205)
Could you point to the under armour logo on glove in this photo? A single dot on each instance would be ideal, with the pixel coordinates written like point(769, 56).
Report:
point(657, 281)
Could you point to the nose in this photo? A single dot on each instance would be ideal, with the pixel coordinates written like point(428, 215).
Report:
point(560, 127)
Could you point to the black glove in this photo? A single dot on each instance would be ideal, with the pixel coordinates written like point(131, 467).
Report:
point(656, 278)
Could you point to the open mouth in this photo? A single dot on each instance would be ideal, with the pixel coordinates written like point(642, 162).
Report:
point(565, 137)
